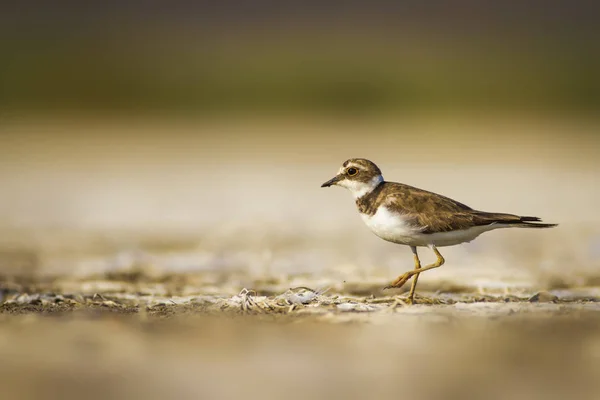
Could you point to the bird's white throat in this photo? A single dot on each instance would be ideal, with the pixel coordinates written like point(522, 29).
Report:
point(359, 189)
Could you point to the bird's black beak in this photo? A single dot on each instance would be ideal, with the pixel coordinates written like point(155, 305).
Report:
point(332, 181)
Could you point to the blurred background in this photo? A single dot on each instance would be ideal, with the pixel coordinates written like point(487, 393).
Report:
point(208, 128)
point(193, 136)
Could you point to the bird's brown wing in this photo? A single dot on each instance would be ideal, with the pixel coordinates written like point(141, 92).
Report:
point(432, 212)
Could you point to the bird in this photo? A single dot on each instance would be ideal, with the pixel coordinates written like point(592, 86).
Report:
point(414, 217)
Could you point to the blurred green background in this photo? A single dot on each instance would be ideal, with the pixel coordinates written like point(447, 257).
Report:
point(216, 122)
point(309, 57)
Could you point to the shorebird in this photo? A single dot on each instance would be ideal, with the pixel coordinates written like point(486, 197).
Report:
point(415, 217)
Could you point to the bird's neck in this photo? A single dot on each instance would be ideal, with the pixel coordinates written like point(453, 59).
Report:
point(366, 188)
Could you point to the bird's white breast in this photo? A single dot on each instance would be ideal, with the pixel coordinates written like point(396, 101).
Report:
point(390, 226)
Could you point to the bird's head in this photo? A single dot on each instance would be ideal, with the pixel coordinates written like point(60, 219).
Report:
point(358, 175)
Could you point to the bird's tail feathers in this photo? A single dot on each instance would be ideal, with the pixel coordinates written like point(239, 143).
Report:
point(533, 222)
point(516, 220)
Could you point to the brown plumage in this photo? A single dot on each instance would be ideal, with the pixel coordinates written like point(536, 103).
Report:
point(433, 212)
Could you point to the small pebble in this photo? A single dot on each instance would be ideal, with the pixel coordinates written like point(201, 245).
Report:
point(543, 297)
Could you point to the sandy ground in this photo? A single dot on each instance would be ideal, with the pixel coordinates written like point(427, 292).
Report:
point(136, 336)
point(204, 261)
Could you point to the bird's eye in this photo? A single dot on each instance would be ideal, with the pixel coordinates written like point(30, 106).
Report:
point(352, 171)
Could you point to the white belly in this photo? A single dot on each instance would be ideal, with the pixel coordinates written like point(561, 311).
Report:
point(394, 228)
point(391, 226)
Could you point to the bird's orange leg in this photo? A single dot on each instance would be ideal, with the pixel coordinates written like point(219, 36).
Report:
point(411, 294)
point(402, 279)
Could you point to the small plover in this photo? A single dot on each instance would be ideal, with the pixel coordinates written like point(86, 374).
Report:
point(415, 217)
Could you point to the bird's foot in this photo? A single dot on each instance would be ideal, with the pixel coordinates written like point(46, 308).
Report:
point(400, 281)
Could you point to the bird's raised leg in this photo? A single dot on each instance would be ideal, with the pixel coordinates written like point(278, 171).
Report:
point(402, 279)
point(411, 294)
